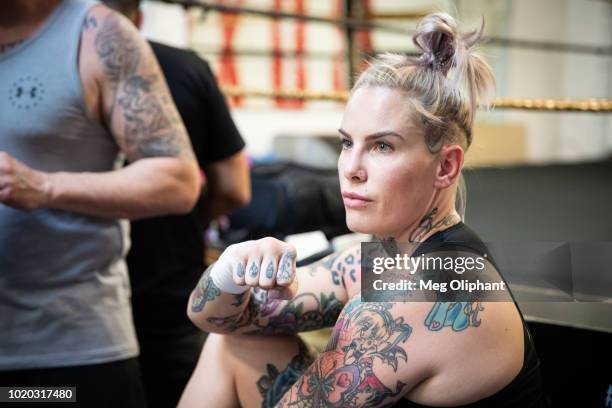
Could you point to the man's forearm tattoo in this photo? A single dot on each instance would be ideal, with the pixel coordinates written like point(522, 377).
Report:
point(151, 125)
point(205, 291)
point(365, 334)
point(457, 315)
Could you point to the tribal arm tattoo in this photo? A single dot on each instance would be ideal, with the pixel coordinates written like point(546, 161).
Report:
point(137, 105)
point(364, 364)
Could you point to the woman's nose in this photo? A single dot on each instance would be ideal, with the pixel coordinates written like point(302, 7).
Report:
point(354, 169)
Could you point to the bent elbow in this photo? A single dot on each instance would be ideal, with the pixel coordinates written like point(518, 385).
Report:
point(243, 198)
point(187, 189)
point(200, 321)
point(238, 199)
point(186, 202)
point(197, 318)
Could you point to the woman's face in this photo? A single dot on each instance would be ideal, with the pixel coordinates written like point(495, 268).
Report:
point(386, 172)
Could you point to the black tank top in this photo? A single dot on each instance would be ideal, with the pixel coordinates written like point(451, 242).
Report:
point(525, 390)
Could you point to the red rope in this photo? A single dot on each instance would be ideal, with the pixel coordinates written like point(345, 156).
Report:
point(228, 72)
point(364, 39)
point(337, 63)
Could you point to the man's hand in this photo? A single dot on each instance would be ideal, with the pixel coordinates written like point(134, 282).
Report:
point(20, 186)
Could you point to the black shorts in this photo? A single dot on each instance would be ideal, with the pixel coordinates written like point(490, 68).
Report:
point(117, 384)
point(167, 361)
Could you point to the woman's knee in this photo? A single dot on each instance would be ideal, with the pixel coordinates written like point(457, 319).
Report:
point(255, 348)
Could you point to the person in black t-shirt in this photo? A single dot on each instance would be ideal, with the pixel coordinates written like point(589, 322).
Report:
point(167, 254)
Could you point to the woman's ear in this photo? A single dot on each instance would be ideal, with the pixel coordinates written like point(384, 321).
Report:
point(449, 166)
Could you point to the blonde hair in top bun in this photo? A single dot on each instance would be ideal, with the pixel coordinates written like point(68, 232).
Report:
point(444, 85)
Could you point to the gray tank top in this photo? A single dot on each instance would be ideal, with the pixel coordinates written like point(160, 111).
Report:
point(64, 288)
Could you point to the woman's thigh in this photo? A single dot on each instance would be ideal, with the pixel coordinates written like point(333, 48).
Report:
point(246, 371)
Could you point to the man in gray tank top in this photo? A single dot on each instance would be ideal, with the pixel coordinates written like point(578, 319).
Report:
point(79, 91)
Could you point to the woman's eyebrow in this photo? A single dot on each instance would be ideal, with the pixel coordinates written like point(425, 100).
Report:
point(344, 133)
point(373, 135)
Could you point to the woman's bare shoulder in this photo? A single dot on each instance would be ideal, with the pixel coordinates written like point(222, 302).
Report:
point(482, 341)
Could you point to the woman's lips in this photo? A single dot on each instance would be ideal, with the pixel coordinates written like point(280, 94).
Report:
point(354, 200)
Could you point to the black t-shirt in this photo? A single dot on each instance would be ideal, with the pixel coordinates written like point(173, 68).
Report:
point(167, 254)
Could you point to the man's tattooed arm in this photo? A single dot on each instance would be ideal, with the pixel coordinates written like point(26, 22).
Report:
point(366, 363)
point(317, 303)
point(138, 107)
point(125, 92)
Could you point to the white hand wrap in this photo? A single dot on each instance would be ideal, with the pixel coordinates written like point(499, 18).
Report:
point(222, 277)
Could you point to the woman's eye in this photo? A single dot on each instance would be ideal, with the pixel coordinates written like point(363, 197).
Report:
point(346, 144)
point(383, 147)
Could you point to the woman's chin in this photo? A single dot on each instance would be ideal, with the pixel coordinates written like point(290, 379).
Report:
point(362, 226)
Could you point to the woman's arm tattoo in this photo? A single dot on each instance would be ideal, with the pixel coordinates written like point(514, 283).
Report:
point(457, 315)
point(366, 334)
point(265, 316)
point(205, 291)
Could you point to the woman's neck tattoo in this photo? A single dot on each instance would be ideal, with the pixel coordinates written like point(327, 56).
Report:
point(426, 224)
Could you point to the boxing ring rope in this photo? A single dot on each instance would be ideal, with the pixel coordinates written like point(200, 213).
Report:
point(556, 105)
point(365, 24)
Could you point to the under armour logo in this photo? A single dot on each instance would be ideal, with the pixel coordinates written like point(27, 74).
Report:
point(26, 93)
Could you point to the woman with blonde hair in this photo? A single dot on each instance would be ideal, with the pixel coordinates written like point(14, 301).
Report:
point(404, 133)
